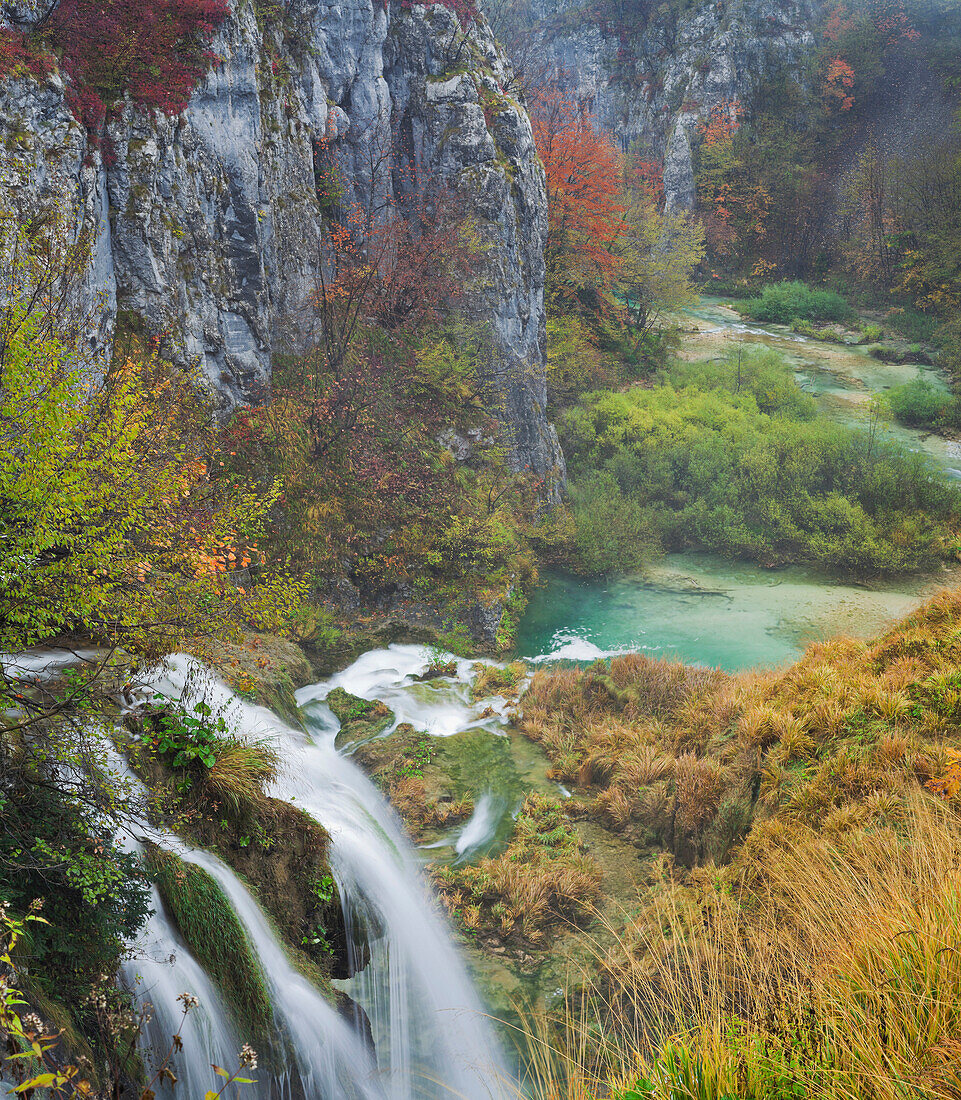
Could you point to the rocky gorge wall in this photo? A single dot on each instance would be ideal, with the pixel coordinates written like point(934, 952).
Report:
point(655, 82)
point(207, 227)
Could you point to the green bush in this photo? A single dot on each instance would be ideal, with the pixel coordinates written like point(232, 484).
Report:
point(912, 324)
point(760, 372)
point(783, 303)
point(697, 462)
point(613, 533)
point(921, 405)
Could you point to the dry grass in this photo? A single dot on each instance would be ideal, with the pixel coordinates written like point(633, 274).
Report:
point(802, 937)
point(543, 879)
point(500, 680)
point(240, 774)
point(815, 969)
point(685, 758)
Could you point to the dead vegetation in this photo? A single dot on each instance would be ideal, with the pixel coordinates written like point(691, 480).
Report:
point(543, 879)
point(800, 934)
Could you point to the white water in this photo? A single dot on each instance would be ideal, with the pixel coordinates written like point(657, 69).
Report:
point(480, 827)
point(162, 969)
point(431, 1036)
point(389, 675)
point(322, 1055)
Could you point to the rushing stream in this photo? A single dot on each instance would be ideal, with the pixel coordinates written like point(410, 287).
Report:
point(431, 1037)
point(705, 610)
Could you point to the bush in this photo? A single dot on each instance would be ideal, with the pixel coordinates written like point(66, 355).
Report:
point(704, 466)
point(612, 533)
point(913, 325)
point(760, 372)
point(920, 405)
point(783, 303)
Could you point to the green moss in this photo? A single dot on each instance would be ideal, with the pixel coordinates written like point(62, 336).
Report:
point(360, 719)
point(215, 937)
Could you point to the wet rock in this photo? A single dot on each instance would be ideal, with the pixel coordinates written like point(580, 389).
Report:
point(360, 719)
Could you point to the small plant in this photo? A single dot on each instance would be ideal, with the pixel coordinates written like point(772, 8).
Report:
point(188, 737)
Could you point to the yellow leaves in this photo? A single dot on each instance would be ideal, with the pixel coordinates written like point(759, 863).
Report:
point(948, 785)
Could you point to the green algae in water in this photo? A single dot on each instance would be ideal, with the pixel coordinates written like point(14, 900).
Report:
point(704, 610)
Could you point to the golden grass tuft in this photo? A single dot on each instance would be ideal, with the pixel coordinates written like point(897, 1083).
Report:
point(241, 772)
point(823, 967)
point(543, 879)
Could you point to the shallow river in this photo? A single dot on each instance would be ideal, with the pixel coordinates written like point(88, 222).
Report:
point(705, 610)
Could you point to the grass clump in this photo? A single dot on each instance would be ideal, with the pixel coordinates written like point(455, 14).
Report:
point(215, 936)
point(785, 302)
point(730, 458)
point(814, 968)
point(799, 933)
point(543, 879)
point(211, 768)
point(504, 680)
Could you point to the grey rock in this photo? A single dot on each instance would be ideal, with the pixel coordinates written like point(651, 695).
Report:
point(207, 226)
point(655, 91)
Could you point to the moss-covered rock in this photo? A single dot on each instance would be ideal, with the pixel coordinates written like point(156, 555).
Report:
point(216, 938)
point(360, 719)
point(264, 669)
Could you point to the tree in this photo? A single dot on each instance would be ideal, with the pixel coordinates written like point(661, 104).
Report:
point(658, 251)
point(113, 522)
point(585, 205)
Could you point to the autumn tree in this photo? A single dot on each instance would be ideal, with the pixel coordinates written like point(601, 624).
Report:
point(585, 202)
point(113, 524)
point(392, 367)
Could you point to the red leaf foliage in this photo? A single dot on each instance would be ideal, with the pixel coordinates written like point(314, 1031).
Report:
point(583, 186)
point(20, 54)
point(155, 51)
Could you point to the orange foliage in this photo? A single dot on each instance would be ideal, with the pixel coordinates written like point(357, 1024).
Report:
point(722, 124)
point(838, 83)
point(949, 784)
point(586, 213)
point(840, 22)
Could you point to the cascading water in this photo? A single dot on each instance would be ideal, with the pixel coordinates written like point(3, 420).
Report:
point(431, 1037)
point(161, 970)
point(321, 1055)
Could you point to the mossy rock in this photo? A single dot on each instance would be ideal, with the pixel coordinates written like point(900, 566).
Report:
point(277, 849)
point(216, 938)
point(264, 669)
point(282, 856)
point(360, 719)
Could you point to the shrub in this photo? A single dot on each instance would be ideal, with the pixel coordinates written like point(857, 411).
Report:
point(760, 372)
point(21, 56)
point(782, 303)
point(155, 51)
point(613, 534)
point(706, 468)
point(921, 405)
point(912, 324)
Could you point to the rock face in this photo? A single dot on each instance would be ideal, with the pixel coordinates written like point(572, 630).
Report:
point(207, 226)
point(656, 83)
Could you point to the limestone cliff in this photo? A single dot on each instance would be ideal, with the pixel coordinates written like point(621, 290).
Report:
point(206, 226)
point(654, 80)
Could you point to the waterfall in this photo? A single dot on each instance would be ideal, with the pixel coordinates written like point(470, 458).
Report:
point(323, 1055)
point(431, 1037)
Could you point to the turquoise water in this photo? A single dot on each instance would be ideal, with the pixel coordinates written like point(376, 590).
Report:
point(703, 610)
